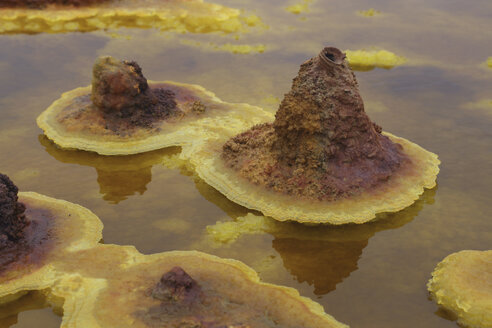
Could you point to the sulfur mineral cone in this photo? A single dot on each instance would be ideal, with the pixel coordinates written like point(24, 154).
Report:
point(322, 159)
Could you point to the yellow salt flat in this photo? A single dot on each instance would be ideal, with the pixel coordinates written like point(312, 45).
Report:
point(69, 228)
point(403, 189)
point(365, 60)
point(90, 133)
point(122, 298)
point(193, 16)
point(462, 284)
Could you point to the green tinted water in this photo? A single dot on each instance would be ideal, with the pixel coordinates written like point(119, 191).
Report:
point(369, 277)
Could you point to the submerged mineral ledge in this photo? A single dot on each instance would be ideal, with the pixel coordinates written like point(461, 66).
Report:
point(322, 145)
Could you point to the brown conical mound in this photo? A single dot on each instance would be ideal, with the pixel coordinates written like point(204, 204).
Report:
point(12, 218)
point(176, 285)
point(121, 92)
point(322, 145)
point(15, 234)
point(39, 4)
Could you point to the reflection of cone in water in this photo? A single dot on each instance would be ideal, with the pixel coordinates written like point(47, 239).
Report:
point(326, 263)
point(322, 264)
point(322, 256)
point(118, 176)
point(116, 186)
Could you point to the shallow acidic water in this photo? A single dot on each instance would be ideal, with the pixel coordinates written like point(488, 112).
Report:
point(374, 277)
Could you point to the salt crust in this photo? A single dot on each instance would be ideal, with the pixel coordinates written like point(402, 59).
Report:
point(89, 301)
point(75, 228)
point(193, 16)
point(462, 284)
point(219, 114)
point(399, 192)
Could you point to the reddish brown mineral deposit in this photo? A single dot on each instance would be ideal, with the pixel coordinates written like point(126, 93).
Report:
point(121, 92)
point(176, 285)
point(12, 218)
point(322, 145)
point(39, 4)
point(184, 304)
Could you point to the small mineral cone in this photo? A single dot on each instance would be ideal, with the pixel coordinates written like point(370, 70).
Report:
point(121, 113)
point(120, 90)
point(176, 285)
point(322, 160)
point(12, 218)
point(322, 145)
point(197, 291)
point(36, 232)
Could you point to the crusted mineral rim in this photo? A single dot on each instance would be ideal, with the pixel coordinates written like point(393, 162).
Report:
point(400, 192)
point(322, 160)
point(462, 284)
point(209, 117)
point(193, 16)
point(66, 228)
point(177, 288)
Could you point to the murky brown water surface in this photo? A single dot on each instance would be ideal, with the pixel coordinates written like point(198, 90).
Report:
point(373, 276)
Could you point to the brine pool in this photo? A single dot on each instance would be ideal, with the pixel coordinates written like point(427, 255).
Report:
point(372, 275)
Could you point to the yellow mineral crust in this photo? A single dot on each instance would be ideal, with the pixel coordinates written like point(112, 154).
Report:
point(124, 298)
point(193, 16)
point(462, 283)
point(403, 189)
point(72, 123)
point(489, 62)
point(70, 228)
point(365, 60)
point(229, 231)
point(299, 8)
point(369, 12)
point(242, 49)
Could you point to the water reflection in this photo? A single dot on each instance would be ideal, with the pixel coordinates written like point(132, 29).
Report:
point(322, 264)
point(323, 256)
point(118, 176)
point(319, 255)
point(31, 306)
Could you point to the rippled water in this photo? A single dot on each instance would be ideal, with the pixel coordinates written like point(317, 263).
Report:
point(371, 276)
